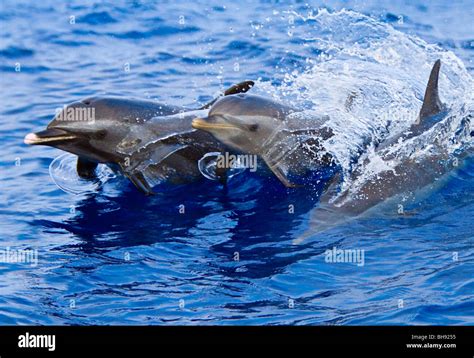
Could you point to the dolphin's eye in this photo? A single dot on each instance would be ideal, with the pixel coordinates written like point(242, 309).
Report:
point(100, 134)
point(86, 102)
point(253, 127)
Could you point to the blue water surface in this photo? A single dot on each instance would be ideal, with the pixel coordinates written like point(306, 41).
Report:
point(117, 257)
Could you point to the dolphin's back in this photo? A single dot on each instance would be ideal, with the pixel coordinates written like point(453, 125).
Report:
point(129, 109)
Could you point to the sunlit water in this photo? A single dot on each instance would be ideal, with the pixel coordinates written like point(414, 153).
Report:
point(201, 254)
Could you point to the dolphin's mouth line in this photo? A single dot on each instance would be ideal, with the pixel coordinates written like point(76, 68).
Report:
point(200, 123)
point(48, 136)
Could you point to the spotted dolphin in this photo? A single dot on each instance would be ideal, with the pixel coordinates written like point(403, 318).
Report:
point(255, 125)
point(147, 141)
point(407, 163)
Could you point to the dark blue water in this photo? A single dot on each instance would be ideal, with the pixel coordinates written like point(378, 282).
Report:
point(117, 257)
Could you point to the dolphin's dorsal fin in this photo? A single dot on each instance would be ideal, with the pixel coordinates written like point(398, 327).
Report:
point(241, 87)
point(431, 103)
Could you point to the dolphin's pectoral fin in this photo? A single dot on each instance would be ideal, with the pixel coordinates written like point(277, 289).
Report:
point(140, 182)
point(321, 218)
point(431, 103)
point(241, 87)
point(86, 168)
point(146, 169)
point(280, 173)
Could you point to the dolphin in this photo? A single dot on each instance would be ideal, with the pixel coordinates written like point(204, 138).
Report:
point(407, 163)
point(289, 145)
point(147, 141)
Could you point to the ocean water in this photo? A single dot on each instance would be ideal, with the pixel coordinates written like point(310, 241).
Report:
point(109, 255)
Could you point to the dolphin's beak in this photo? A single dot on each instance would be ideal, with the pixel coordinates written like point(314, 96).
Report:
point(201, 123)
point(49, 136)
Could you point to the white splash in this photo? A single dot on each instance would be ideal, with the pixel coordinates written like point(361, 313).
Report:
point(369, 79)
